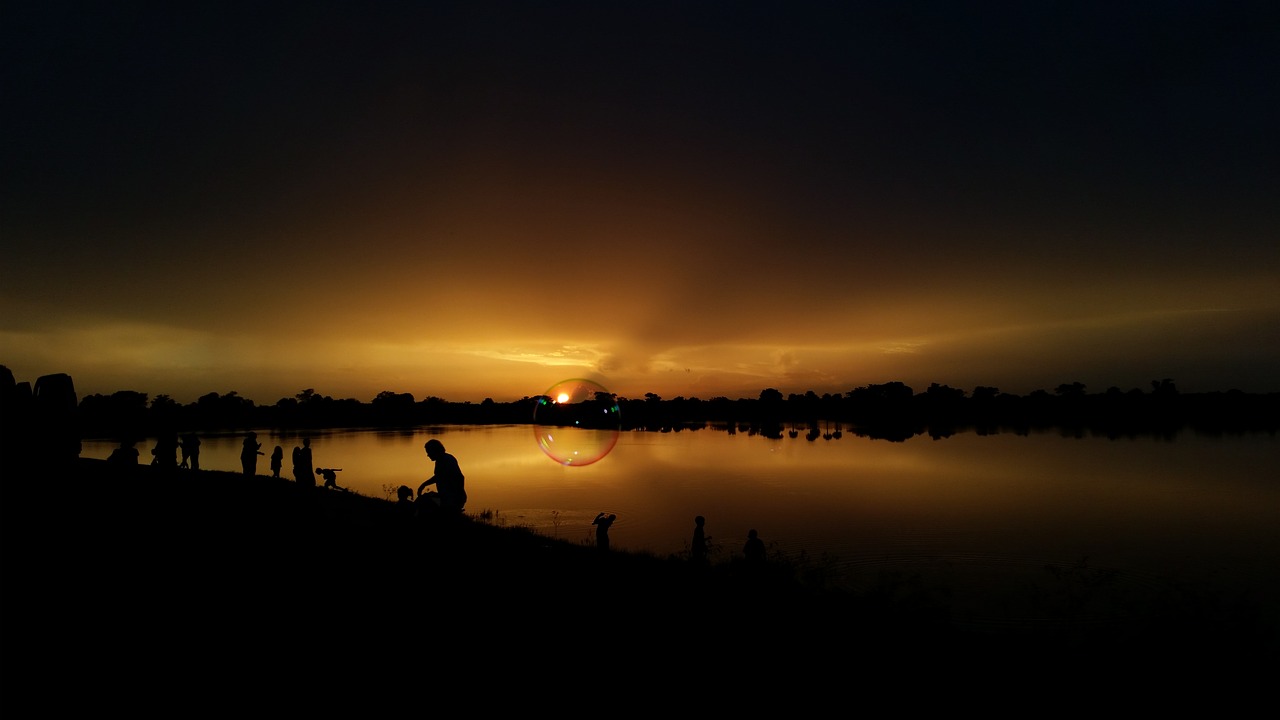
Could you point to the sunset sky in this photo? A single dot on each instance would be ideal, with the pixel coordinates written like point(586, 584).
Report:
point(477, 200)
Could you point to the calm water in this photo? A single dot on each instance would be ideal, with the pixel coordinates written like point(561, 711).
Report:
point(978, 516)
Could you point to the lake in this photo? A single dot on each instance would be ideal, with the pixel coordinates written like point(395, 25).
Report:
point(1005, 525)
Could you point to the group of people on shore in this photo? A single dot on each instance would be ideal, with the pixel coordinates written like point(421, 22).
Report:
point(168, 445)
point(304, 469)
point(449, 498)
point(450, 493)
point(165, 452)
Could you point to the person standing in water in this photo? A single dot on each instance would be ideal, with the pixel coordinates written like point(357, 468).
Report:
point(602, 523)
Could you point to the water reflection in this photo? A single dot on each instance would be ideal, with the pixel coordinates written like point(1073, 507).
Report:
point(966, 513)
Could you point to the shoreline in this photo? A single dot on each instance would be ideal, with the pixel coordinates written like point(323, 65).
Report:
point(226, 556)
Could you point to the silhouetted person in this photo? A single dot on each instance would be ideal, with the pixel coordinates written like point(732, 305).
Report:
point(404, 502)
point(304, 472)
point(124, 456)
point(123, 460)
point(754, 549)
point(602, 523)
point(190, 445)
point(451, 495)
point(698, 548)
point(277, 461)
point(165, 453)
point(330, 476)
point(249, 452)
point(193, 441)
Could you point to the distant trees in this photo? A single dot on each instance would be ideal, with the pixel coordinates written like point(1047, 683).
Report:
point(122, 413)
point(892, 410)
point(1073, 390)
point(391, 408)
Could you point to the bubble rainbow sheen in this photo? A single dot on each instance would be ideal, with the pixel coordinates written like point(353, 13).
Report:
point(576, 422)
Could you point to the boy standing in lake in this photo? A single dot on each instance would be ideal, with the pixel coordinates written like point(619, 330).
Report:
point(602, 523)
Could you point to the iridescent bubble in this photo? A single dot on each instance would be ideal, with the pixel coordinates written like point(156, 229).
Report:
point(576, 422)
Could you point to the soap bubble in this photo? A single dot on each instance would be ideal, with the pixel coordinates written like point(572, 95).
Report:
point(576, 422)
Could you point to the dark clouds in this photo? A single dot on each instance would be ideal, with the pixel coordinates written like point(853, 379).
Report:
point(869, 174)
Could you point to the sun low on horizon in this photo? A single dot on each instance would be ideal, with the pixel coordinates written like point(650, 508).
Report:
point(705, 203)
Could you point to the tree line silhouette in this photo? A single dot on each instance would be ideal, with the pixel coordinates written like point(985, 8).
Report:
point(890, 411)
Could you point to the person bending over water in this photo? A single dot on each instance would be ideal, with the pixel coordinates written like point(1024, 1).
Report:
point(451, 493)
point(330, 476)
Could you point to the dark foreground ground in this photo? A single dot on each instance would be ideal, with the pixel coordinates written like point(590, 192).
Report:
point(214, 586)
